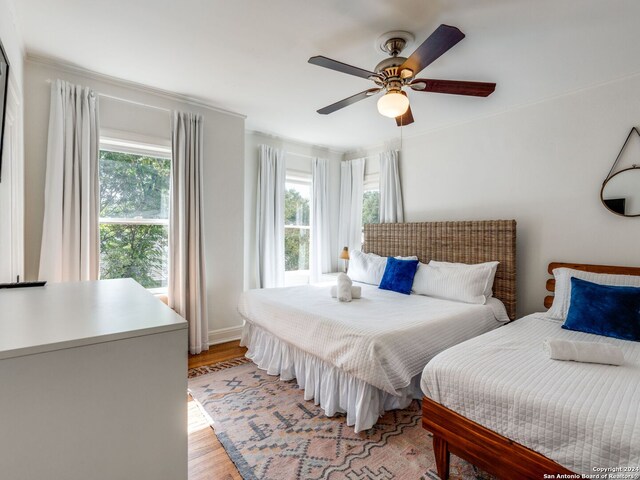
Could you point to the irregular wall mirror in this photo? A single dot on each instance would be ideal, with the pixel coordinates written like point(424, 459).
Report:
point(620, 192)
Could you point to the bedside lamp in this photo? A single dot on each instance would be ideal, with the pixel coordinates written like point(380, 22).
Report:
point(344, 255)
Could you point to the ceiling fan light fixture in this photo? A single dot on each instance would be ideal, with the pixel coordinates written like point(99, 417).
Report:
point(393, 104)
point(396, 72)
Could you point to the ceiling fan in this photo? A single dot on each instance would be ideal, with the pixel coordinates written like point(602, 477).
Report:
point(393, 74)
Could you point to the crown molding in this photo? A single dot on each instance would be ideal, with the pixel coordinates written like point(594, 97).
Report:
point(119, 82)
point(274, 136)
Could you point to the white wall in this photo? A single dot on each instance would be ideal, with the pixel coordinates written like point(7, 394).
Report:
point(543, 165)
point(12, 183)
point(223, 170)
point(297, 152)
point(12, 40)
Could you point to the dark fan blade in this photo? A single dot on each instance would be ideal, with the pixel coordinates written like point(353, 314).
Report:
point(453, 87)
point(348, 101)
point(405, 119)
point(438, 42)
point(340, 67)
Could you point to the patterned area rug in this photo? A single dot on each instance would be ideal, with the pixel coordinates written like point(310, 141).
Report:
point(270, 432)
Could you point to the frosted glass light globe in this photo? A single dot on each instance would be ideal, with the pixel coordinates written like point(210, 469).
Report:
point(393, 104)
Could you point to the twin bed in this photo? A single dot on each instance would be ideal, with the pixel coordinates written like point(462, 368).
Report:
point(491, 395)
point(501, 403)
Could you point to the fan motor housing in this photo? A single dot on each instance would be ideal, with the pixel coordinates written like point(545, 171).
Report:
point(390, 73)
point(392, 43)
point(391, 63)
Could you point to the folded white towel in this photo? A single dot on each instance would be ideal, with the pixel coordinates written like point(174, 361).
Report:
point(343, 289)
point(356, 291)
point(587, 352)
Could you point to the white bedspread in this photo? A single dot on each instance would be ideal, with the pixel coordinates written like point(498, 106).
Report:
point(384, 338)
point(582, 415)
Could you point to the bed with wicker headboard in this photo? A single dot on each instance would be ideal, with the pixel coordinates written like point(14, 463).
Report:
point(375, 348)
point(464, 242)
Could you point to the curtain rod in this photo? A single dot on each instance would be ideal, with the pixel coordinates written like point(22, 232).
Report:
point(126, 100)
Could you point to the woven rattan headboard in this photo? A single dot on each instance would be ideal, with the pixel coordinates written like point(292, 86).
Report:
point(465, 242)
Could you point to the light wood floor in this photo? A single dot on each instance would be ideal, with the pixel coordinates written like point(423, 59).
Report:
point(207, 458)
point(217, 353)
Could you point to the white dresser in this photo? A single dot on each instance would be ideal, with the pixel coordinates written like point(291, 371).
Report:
point(93, 379)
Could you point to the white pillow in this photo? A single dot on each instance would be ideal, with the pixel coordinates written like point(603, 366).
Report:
point(458, 282)
point(492, 266)
point(562, 295)
point(368, 267)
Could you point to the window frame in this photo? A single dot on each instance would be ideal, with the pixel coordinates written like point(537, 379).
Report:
point(371, 182)
point(142, 146)
point(299, 177)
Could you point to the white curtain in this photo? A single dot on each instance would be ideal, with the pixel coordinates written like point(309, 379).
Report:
point(351, 192)
point(270, 217)
point(187, 290)
point(70, 248)
point(320, 261)
point(391, 210)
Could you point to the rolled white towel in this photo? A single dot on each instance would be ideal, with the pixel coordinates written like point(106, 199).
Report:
point(356, 291)
point(343, 289)
point(586, 352)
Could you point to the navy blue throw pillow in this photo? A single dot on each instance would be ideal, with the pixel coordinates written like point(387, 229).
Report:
point(604, 310)
point(398, 275)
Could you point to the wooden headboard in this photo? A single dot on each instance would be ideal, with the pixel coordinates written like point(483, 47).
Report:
point(551, 283)
point(464, 242)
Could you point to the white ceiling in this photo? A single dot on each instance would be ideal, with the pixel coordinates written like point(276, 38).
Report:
point(250, 56)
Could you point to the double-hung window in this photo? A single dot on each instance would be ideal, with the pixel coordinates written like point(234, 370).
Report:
point(297, 227)
point(134, 212)
point(371, 199)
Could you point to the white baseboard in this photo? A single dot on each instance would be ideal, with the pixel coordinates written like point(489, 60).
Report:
point(222, 335)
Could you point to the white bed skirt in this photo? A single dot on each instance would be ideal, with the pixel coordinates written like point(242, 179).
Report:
point(328, 386)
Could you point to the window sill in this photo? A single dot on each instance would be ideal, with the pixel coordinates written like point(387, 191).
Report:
point(158, 291)
point(296, 277)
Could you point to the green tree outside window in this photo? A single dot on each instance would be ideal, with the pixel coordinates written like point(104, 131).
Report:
point(134, 213)
point(296, 239)
point(371, 207)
